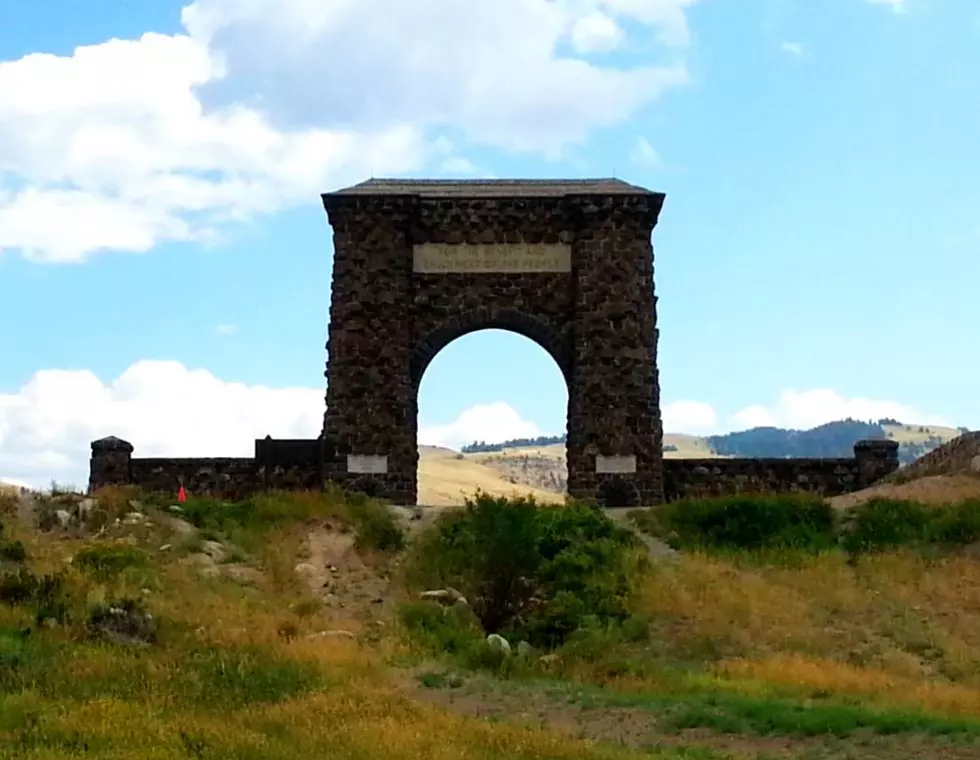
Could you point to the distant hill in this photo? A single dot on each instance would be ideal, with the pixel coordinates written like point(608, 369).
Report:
point(834, 439)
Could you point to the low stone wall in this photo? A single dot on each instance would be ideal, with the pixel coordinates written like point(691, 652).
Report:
point(283, 464)
point(287, 464)
point(698, 478)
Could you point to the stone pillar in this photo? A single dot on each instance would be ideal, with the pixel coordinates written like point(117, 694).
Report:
point(876, 458)
point(109, 465)
point(369, 426)
point(615, 435)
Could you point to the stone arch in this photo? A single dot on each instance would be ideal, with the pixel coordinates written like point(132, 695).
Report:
point(519, 322)
point(567, 264)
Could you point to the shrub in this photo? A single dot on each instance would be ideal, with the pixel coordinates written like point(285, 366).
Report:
point(122, 621)
point(375, 525)
point(47, 594)
point(105, 561)
point(451, 630)
point(13, 551)
point(958, 524)
point(533, 571)
point(881, 524)
point(752, 522)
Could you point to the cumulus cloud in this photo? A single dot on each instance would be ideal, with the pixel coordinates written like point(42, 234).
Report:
point(263, 104)
point(494, 422)
point(162, 407)
point(688, 417)
point(807, 409)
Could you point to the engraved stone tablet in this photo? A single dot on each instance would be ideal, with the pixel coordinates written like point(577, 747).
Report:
point(442, 258)
point(367, 463)
point(618, 464)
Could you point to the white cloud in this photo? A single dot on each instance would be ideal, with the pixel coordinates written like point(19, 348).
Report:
point(688, 417)
point(162, 407)
point(226, 329)
point(265, 103)
point(793, 48)
point(494, 422)
point(596, 33)
point(807, 409)
point(645, 154)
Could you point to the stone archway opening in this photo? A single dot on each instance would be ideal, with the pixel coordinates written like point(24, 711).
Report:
point(485, 387)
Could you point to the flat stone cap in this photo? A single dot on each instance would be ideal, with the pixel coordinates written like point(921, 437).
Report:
point(491, 188)
point(876, 444)
point(111, 443)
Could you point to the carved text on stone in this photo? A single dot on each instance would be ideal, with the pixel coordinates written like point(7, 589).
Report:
point(443, 258)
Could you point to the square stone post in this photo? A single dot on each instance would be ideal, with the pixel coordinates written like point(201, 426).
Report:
point(109, 465)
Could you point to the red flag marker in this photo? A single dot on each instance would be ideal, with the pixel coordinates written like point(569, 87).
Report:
point(181, 495)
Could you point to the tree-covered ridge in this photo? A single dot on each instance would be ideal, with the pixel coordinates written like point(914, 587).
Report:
point(831, 440)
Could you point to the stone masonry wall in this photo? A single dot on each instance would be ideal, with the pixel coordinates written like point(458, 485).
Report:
point(597, 321)
point(237, 478)
point(278, 465)
point(699, 478)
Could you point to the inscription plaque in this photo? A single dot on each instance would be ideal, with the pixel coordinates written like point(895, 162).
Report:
point(367, 464)
point(619, 464)
point(444, 258)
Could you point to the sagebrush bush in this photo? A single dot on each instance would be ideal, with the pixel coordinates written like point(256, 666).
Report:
point(882, 524)
point(451, 630)
point(47, 595)
point(749, 521)
point(531, 571)
point(375, 525)
point(13, 551)
point(106, 561)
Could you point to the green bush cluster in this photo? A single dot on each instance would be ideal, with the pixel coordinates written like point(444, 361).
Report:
point(375, 525)
point(753, 522)
point(804, 522)
point(106, 561)
point(529, 571)
point(11, 550)
point(45, 595)
point(882, 524)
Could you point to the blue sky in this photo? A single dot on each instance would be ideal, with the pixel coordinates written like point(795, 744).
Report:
point(165, 264)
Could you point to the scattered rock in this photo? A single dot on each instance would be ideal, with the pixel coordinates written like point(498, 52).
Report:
point(134, 518)
point(445, 596)
point(305, 569)
point(524, 649)
point(123, 623)
point(497, 642)
point(64, 517)
point(214, 550)
point(332, 635)
point(166, 547)
point(85, 507)
point(202, 563)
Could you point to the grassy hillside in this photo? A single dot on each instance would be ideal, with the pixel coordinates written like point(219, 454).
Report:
point(282, 628)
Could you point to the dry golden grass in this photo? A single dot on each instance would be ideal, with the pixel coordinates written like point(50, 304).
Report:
point(445, 479)
point(913, 434)
point(933, 489)
point(906, 627)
